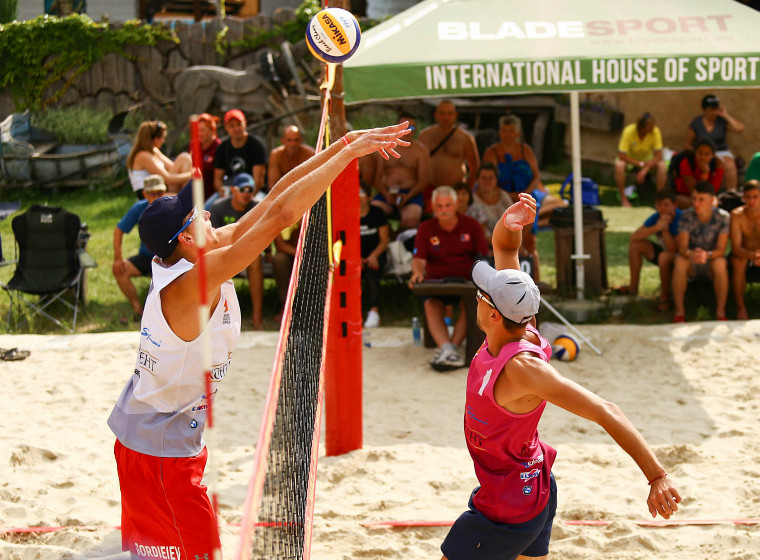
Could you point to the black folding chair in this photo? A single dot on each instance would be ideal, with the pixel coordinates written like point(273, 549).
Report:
point(51, 262)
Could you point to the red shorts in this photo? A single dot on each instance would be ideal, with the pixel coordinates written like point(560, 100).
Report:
point(165, 510)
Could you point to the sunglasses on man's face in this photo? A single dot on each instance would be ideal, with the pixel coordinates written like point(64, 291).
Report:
point(479, 295)
point(186, 224)
point(248, 190)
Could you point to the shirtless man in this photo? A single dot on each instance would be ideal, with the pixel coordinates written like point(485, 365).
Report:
point(290, 155)
point(400, 183)
point(745, 243)
point(448, 154)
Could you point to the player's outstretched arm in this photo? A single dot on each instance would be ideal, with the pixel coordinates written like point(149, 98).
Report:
point(318, 172)
point(293, 195)
point(507, 233)
point(528, 375)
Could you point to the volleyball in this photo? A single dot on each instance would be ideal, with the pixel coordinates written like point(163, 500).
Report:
point(565, 348)
point(333, 35)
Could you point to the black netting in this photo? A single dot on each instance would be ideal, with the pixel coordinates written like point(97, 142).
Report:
point(279, 534)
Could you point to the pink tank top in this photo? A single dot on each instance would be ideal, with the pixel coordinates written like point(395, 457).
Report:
point(511, 463)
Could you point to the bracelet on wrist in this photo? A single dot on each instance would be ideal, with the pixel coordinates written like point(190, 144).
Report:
point(345, 140)
point(657, 478)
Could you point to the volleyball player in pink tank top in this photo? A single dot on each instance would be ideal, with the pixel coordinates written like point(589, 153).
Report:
point(510, 381)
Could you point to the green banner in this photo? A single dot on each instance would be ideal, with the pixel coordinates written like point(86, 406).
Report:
point(548, 76)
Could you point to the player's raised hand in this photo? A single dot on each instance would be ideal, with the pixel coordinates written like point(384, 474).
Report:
point(383, 140)
point(521, 213)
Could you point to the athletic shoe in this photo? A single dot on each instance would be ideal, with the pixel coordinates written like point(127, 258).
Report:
point(448, 360)
point(373, 320)
point(435, 357)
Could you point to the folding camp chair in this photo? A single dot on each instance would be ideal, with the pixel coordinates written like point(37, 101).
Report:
point(51, 263)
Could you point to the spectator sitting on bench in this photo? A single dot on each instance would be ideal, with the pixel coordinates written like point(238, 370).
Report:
point(640, 150)
point(375, 233)
point(228, 211)
point(140, 264)
point(745, 244)
point(702, 239)
point(664, 225)
point(691, 167)
point(446, 246)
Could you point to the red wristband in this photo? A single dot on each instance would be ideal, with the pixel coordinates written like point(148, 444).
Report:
point(657, 478)
point(345, 140)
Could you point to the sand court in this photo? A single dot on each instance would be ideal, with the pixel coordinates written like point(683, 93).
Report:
point(693, 391)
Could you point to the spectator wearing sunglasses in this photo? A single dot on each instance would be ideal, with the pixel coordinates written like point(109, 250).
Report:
point(146, 158)
point(228, 211)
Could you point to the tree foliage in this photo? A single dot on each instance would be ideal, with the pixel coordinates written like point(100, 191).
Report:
point(40, 53)
point(8, 10)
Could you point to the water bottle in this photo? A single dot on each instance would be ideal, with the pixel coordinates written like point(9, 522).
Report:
point(366, 340)
point(449, 325)
point(416, 332)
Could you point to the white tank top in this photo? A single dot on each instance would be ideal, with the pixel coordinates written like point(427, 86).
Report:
point(137, 178)
point(162, 409)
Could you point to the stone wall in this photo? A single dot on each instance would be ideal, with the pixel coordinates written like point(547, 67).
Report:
point(147, 74)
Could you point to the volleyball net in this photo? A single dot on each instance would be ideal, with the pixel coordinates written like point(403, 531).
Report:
point(278, 511)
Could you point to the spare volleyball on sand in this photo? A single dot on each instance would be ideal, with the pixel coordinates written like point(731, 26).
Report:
point(565, 348)
point(333, 35)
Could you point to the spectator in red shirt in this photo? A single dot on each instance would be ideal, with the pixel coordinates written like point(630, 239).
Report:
point(446, 246)
point(701, 165)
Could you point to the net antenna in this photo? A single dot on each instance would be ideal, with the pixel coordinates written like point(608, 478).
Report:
point(279, 505)
point(203, 317)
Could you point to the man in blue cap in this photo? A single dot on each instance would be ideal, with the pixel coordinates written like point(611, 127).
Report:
point(228, 211)
point(160, 415)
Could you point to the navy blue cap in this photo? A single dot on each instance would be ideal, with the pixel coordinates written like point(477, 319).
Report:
point(243, 180)
point(162, 219)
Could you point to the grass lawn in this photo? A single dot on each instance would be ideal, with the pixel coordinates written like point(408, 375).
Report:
point(107, 310)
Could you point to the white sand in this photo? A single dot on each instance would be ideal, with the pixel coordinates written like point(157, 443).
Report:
point(693, 390)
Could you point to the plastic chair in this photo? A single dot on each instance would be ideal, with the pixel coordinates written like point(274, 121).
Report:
point(52, 262)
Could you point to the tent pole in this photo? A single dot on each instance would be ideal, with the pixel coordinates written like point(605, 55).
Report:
point(575, 141)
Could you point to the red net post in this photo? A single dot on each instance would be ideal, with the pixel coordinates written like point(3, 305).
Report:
point(343, 372)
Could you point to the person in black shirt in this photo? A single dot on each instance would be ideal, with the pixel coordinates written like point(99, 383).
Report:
point(374, 232)
point(240, 153)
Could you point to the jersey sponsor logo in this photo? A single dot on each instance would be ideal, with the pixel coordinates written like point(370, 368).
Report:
point(146, 333)
point(527, 490)
point(146, 361)
point(464, 238)
point(527, 475)
point(539, 459)
point(434, 241)
point(474, 438)
point(471, 414)
point(159, 551)
point(226, 317)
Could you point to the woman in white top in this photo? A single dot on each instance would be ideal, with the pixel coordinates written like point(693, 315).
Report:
point(146, 158)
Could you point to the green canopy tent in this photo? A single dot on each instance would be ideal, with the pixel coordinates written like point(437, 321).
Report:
point(450, 48)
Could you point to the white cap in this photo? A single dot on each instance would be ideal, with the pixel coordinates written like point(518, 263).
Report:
point(513, 292)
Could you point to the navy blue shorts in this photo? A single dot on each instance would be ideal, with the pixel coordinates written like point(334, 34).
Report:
point(416, 199)
point(142, 263)
point(657, 250)
point(473, 535)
